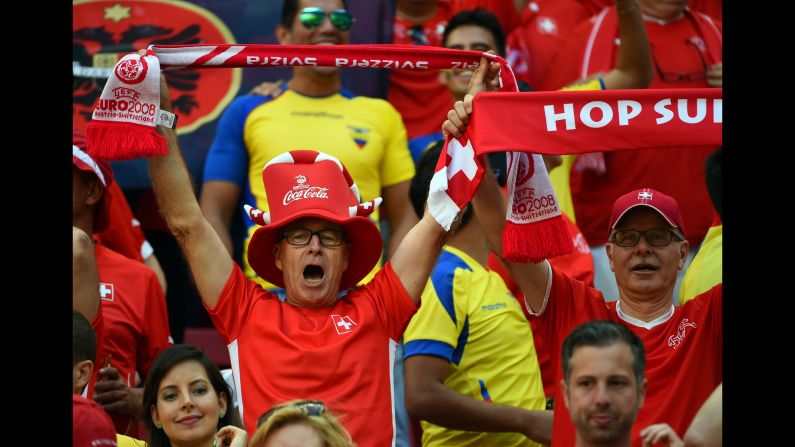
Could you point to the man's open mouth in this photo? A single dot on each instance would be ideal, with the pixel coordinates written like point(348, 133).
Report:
point(645, 268)
point(313, 274)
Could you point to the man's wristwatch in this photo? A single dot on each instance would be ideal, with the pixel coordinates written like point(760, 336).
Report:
point(167, 119)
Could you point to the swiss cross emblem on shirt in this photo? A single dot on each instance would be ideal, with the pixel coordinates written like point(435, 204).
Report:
point(343, 324)
point(106, 291)
point(547, 25)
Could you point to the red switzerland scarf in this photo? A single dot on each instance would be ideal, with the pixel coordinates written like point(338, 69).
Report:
point(125, 117)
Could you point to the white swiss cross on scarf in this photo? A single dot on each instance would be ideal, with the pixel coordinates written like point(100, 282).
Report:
point(457, 176)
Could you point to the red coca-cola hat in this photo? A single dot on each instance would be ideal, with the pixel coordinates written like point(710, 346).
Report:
point(662, 203)
point(302, 184)
point(101, 169)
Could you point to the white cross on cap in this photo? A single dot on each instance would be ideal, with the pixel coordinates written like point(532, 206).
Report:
point(644, 195)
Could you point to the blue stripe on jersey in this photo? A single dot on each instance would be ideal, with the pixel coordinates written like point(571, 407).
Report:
point(428, 347)
point(345, 93)
point(417, 145)
point(227, 159)
point(442, 279)
point(484, 392)
point(602, 83)
point(462, 342)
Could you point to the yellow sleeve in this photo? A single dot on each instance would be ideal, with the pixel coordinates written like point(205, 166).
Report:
point(593, 84)
point(559, 177)
point(397, 165)
point(706, 269)
point(126, 441)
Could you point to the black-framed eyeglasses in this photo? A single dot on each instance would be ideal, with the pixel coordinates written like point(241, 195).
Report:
point(417, 35)
point(682, 77)
point(300, 237)
point(313, 17)
point(656, 237)
point(309, 407)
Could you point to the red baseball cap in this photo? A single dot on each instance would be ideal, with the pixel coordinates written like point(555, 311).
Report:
point(302, 184)
point(91, 426)
point(662, 203)
point(101, 169)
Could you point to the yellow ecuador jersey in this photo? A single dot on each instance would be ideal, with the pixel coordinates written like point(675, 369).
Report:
point(366, 134)
point(469, 318)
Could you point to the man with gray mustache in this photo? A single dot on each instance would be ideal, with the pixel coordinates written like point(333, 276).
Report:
point(646, 248)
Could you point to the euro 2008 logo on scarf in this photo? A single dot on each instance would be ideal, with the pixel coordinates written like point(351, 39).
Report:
point(132, 71)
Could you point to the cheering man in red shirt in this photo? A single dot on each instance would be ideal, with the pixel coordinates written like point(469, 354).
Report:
point(646, 248)
point(316, 242)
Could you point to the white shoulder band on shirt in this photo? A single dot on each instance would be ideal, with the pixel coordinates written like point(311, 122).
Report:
point(546, 293)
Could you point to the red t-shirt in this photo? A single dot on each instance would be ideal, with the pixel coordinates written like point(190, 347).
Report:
point(678, 48)
point(421, 99)
point(342, 355)
point(688, 340)
point(135, 318)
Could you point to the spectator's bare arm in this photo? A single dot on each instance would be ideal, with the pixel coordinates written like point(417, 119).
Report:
point(634, 65)
point(429, 399)
point(209, 260)
point(706, 430)
point(489, 203)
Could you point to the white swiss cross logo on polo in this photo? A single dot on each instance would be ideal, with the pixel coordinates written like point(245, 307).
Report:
point(343, 324)
point(106, 291)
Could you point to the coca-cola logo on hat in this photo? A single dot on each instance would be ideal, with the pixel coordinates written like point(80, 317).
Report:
point(304, 191)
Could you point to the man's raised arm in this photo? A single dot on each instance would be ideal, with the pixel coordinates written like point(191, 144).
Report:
point(209, 260)
point(417, 253)
point(633, 64)
point(489, 205)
